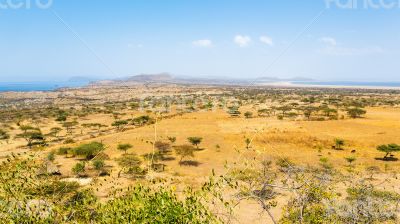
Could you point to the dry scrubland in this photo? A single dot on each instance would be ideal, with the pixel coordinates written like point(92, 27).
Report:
point(233, 144)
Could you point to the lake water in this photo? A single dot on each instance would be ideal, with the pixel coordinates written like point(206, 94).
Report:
point(37, 86)
point(349, 83)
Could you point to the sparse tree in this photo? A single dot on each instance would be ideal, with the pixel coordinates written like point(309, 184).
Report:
point(339, 143)
point(120, 124)
point(388, 149)
point(195, 141)
point(248, 143)
point(33, 138)
point(184, 151)
point(356, 112)
point(4, 135)
point(79, 168)
point(172, 139)
point(248, 114)
point(69, 126)
point(350, 160)
point(124, 147)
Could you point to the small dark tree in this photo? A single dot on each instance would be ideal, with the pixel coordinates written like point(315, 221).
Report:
point(120, 124)
point(388, 149)
point(195, 141)
point(33, 138)
point(356, 112)
point(172, 139)
point(124, 147)
point(55, 131)
point(164, 148)
point(69, 126)
point(4, 135)
point(248, 143)
point(339, 143)
point(248, 114)
point(184, 151)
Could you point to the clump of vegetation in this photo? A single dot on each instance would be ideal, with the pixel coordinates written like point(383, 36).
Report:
point(130, 164)
point(356, 112)
point(51, 156)
point(63, 151)
point(79, 168)
point(27, 198)
point(33, 136)
point(248, 114)
point(339, 143)
point(90, 150)
point(120, 124)
point(124, 147)
point(195, 141)
point(4, 135)
point(389, 150)
point(184, 151)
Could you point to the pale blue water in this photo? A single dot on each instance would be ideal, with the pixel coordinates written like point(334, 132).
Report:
point(37, 86)
point(350, 83)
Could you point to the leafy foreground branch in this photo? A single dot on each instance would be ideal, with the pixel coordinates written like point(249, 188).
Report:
point(312, 194)
point(28, 197)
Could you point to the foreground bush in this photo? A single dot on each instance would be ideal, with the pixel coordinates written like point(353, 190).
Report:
point(26, 197)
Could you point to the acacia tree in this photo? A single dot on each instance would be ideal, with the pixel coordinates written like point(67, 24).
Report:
point(120, 124)
point(388, 149)
point(33, 138)
point(4, 135)
point(55, 131)
point(195, 141)
point(124, 147)
point(248, 114)
point(356, 112)
point(69, 126)
point(339, 143)
point(130, 164)
point(184, 151)
point(163, 148)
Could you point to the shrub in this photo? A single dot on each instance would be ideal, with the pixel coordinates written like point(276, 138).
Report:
point(388, 149)
point(195, 141)
point(79, 168)
point(124, 147)
point(89, 150)
point(356, 112)
point(51, 156)
point(63, 151)
point(98, 164)
point(184, 151)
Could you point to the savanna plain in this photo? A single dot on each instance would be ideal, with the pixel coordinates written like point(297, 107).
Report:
point(166, 153)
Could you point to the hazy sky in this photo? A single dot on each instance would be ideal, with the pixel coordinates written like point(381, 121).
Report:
point(227, 38)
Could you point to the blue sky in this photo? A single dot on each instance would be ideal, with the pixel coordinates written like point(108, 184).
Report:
point(200, 38)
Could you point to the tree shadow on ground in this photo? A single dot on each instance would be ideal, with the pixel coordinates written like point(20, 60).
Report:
point(388, 159)
point(169, 158)
point(190, 163)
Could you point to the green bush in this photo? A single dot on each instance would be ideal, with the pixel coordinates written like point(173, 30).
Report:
point(79, 168)
point(89, 150)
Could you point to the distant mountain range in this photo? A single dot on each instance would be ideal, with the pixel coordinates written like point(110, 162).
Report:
point(169, 78)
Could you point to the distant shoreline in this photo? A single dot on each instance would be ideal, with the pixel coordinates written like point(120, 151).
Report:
point(54, 86)
point(330, 86)
point(38, 86)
